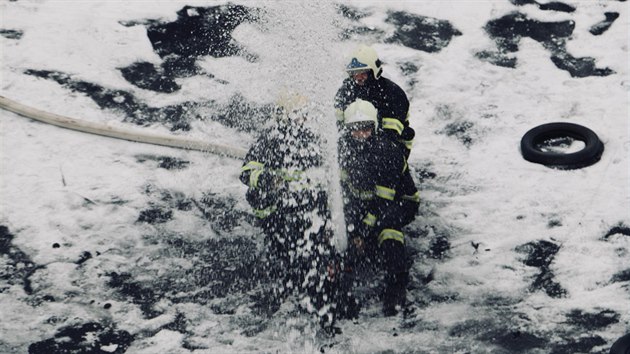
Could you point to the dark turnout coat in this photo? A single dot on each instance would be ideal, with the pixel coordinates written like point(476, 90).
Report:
point(275, 167)
point(380, 194)
point(389, 100)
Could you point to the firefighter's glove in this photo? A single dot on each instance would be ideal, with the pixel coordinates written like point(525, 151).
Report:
point(358, 245)
point(359, 237)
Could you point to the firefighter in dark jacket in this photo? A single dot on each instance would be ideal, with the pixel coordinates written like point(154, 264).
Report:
point(380, 198)
point(290, 206)
point(366, 82)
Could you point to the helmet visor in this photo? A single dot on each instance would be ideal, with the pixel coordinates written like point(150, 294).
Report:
point(358, 72)
point(360, 125)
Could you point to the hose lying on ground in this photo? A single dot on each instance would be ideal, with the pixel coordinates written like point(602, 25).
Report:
point(121, 133)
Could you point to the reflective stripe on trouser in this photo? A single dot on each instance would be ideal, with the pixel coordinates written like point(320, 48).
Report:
point(390, 234)
point(385, 193)
point(393, 124)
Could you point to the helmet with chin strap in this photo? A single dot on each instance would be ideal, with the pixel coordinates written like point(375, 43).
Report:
point(361, 114)
point(365, 58)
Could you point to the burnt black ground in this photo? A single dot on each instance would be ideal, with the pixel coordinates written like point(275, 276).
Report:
point(221, 268)
point(508, 30)
point(207, 31)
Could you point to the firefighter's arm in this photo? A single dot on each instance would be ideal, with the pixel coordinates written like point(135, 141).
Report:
point(256, 176)
point(396, 118)
point(400, 105)
point(263, 188)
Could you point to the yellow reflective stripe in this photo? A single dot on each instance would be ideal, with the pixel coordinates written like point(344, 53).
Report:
point(391, 234)
point(408, 143)
point(263, 213)
point(257, 168)
point(414, 197)
point(253, 165)
point(363, 195)
point(290, 175)
point(385, 193)
point(405, 166)
point(253, 178)
point(393, 124)
point(358, 193)
point(370, 219)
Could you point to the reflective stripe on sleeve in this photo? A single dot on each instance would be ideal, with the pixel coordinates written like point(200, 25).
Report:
point(414, 197)
point(358, 193)
point(263, 213)
point(370, 219)
point(290, 176)
point(408, 143)
point(385, 193)
point(363, 195)
point(253, 165)
point(391, 234)
point(393, 124)
point(257, 168)
point(253, 178)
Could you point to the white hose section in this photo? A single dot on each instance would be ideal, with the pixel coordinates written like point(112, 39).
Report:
point(121, 133)
point(131, 135)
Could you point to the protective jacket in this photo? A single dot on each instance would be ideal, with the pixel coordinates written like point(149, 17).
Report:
point(389, 99)
point(380, 194)
point(291, 208)
point(275, 170)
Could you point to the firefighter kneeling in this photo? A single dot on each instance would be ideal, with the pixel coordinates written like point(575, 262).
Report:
point(380, 198)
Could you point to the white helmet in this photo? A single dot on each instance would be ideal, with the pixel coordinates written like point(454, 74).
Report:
point(364, 58)
point(361, 112)
point(291, 105)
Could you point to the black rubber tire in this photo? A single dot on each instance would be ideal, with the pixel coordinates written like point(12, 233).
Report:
point(590, 154)
point(621, 345)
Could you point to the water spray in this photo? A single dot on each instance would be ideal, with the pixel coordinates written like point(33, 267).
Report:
point(302, 46)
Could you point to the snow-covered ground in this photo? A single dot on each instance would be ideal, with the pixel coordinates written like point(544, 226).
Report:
point(156, 243)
